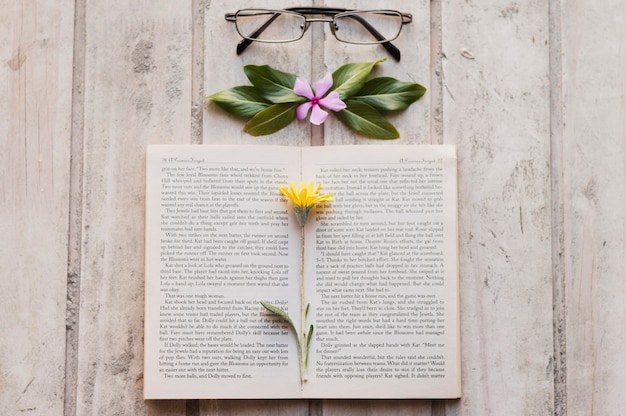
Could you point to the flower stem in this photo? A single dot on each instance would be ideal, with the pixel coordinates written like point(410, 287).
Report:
point(303, 310)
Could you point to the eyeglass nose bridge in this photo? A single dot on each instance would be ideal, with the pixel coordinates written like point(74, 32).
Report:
point(308, 20)
point(330, 20)
point(319, 19)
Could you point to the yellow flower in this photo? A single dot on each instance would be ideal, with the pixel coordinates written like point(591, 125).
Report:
point(304, 199)
point(306, 196)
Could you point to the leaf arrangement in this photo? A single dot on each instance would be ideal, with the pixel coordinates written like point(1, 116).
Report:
point(269, 104)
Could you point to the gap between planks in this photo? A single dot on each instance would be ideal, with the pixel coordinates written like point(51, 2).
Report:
point(75, 211)
point(436, 74)
point(559, 362)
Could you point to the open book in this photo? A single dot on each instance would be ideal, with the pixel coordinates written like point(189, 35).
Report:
point(380, 265)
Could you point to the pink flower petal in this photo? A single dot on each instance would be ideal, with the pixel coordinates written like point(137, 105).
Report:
point(333, 102)
point(303, 110)
point(318, 116)
point(323, 85)
point(302, 88)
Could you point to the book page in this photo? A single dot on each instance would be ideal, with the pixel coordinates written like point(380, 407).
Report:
point(382, 273)
point(220, 239)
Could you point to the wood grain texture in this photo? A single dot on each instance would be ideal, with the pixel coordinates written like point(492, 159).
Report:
point(533, 93)
point(377, 407)
point(414, 123)
point(253, 407)
point(223, 69)
point(594, 148)
point(496, 109)
point(137, 91)
point(35, 119)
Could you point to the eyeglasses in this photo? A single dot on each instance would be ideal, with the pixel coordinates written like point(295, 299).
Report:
point(362, 27)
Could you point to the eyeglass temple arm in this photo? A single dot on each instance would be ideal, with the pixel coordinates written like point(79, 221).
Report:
point(391, 48)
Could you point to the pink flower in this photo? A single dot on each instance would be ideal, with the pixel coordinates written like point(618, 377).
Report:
point(317, 99)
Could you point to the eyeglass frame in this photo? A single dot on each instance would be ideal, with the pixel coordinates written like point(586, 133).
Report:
point(326, 11)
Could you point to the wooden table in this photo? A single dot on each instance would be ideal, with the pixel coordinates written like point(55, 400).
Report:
point(533, 93)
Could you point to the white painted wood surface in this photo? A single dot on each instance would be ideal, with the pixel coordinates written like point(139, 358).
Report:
point(35, 123)
point(533, 93)
point(594, 204)
point(496, 108)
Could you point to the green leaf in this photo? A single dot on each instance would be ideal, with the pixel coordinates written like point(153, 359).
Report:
point(308, 343)
point(306, 311)
point(272, 119)
point(276, 86)
point(243, 101)
point(350, 78)
point(279, 312)
point(366, 120)
point(389, 94)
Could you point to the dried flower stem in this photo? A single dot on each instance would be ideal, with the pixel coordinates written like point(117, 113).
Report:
point(304, 353)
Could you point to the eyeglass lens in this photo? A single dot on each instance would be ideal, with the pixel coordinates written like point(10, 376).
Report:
point(270, 26)
point(367, 27)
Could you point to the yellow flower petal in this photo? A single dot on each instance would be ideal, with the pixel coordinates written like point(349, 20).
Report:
point(322, 198)
point(302, 195)
point(284, 191)
point(307, 195)
point(293, 193)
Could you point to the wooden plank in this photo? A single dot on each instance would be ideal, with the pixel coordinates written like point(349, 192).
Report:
point(377, 407)
point(35, 120)
point(556, 165)
point(594, 148)
point(254, 407)
point(224, 69)
point(413, 124)
point(137, 91)
point(496, 109)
